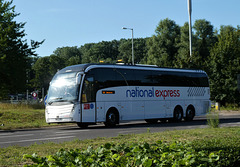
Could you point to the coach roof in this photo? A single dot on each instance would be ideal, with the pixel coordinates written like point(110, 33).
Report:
point(87, 67)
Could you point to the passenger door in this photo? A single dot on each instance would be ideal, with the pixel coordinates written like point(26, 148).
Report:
point(88, 100)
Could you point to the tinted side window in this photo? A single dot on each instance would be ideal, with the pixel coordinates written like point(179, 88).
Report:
point(199, 79)
point(104, 78)
point(180, 79)
point(128, 75)
point(165, 78)
point(143, 77)
point(108, 77)
point(158, 78)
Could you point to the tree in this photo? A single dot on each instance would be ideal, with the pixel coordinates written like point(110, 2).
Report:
point(103, 51)
point(43, 75)
point(56, 63)
point(140, 50)
point(84, 50)
point(204, 39)
point(183, 59)
point(163, 46)
point(71, 55)
point(125, 50)
point(15, 54)
point(224, 62)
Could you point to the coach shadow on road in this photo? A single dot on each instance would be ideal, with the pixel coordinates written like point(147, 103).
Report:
point(198, 121)
point(141, 124)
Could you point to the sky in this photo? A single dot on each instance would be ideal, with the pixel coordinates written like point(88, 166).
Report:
point(77, 22)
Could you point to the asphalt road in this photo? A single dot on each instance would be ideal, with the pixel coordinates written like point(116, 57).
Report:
point(68, 133)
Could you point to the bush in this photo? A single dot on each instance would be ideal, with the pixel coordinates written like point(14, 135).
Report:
point(144, 154)
point(229, 150)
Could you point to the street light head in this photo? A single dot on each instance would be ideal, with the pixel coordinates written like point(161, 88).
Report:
point(125, 28)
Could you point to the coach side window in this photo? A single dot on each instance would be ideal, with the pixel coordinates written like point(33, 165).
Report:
point(108, 77)
point(128, 76)
point(143, 77)
point(157, 78)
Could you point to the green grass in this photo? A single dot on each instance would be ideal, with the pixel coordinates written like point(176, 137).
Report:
point(213, 119)
point(208, 139)
point(22, 116)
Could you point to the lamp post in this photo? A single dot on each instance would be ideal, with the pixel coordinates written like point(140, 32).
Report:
point(190, 25)
point(132, 43)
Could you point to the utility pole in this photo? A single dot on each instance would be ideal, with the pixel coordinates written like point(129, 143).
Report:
point(132, 43)
point(190, 25)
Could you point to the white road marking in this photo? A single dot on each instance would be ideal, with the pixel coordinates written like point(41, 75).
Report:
point(13, 135)
point(72, 131)
point(32, 140)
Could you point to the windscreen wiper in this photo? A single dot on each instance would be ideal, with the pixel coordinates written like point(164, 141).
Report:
point(55, 100)
point(59, 99)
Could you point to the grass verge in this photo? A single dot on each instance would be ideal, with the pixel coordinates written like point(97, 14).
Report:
point(208, 139)
point(22, 116)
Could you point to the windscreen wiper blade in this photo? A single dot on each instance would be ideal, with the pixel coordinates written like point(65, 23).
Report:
point(59, 99)
point(55, 100)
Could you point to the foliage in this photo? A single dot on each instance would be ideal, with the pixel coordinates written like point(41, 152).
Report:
point(183, 59)
point(69, 55)
point(94, 53)
point(136, 154)
point(229, 146)
point(204, 39)
point(163, 46)
point(225, 65)
point(42, 73)
point(140, 50)
point(15, 54)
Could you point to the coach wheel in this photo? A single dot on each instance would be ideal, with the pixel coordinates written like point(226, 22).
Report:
point(151, 121)
point(111, 119)
point(178, 114)
point(190, 113)
point(82, 125)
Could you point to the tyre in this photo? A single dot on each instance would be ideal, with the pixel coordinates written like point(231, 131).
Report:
point(178, 114)
point(112, 119)
point(190, 113)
